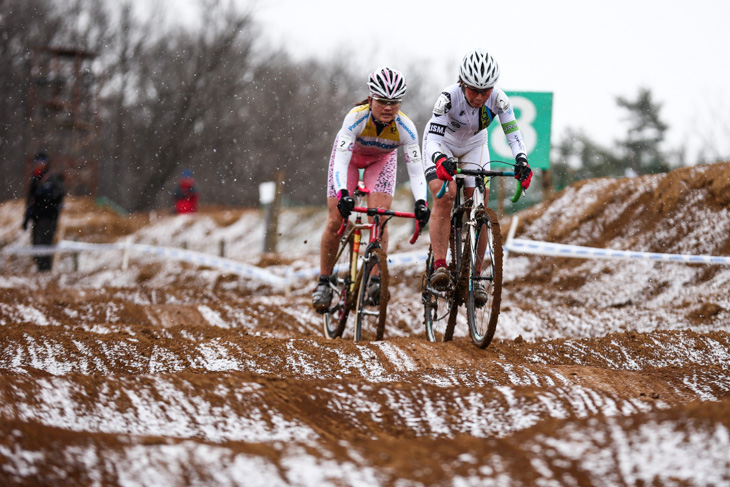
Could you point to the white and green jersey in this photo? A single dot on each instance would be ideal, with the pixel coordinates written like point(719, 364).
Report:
point(456, 128)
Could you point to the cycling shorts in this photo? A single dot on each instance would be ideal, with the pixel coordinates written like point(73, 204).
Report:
point(378, 175)
point(469, 158)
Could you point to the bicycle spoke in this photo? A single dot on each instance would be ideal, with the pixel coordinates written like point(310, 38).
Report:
point(335, 319)
point(485, 278)
point(476, 267)
point(373, 296)
point(439, 310)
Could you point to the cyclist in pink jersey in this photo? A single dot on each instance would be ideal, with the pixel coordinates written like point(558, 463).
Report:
point(369, 138)
point(456, 135)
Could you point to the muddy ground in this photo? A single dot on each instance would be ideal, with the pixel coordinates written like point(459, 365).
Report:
point(164, 373)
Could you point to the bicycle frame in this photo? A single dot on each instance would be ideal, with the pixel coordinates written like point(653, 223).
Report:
point(375, 228)
point(350, 288)
point(473, 228)
point(479, 174)
point(481, 178)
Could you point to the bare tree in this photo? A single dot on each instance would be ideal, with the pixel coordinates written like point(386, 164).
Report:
point(212, 99)
point(194, 69)
point(18, 38)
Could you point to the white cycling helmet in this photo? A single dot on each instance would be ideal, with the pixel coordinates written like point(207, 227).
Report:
point(479, 69)
point(388, 83)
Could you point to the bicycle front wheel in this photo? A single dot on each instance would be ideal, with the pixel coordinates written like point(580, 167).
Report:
point(372, 303)
point(438, 307)
point(484, 286)
point(335, 319)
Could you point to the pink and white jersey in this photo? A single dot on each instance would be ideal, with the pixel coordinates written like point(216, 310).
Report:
point(359, 137)
point(456, 128)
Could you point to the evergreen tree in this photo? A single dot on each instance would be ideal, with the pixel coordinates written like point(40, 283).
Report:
point(641, 150)
point(580, 157)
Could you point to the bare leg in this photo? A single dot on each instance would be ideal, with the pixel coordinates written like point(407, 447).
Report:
point(439, 224)
point(329, 242)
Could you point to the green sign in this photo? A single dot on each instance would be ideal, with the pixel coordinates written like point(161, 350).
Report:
point(534, 113)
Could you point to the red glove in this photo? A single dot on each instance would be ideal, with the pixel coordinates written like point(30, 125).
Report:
point(523, 172)
point(445, 166)
point(526, 182)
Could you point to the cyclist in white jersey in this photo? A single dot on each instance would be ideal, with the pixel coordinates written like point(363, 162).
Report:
point(456, 135)
point(369, 138)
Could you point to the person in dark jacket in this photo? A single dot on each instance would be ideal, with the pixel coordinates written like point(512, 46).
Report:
point(186, 194)
point(45, 200)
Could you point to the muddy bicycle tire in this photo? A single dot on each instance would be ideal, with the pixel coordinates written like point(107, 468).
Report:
point(371, 311)
point(482, 320)
point(436, 305)
point(335, 319)
point(449, 302)
point(458, 273)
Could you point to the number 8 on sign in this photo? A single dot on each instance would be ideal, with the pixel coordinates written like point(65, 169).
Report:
point(527, 115)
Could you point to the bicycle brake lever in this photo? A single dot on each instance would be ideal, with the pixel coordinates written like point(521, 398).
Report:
point(416, 234)
point(342, 227)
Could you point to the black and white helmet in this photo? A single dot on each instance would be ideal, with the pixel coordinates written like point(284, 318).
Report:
point(388, 83)
point(479, 69)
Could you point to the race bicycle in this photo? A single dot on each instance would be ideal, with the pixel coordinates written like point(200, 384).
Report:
point(356, 287)
point(475, 244)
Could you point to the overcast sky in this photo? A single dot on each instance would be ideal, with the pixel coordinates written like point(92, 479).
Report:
point(586, 53)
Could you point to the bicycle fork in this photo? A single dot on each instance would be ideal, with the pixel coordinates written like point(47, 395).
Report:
point(479, 248)
point(355, 251)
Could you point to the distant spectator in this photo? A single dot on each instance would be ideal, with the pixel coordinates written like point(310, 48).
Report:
point(45, 200)
point(186, 195)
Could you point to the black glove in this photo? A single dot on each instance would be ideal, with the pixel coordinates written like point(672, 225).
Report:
point(522, 170)
point(422, 213)
point(445, 166)
point(346, 203)
point(28, 215)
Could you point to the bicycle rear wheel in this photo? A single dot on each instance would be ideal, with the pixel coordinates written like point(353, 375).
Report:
point(458, 286)
point(372, 303)
point(441, 308)
point(335, 319)
point(437, 306)
point(482, 317)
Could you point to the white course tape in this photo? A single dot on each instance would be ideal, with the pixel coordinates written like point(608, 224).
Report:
point(394, 260)
point(199, 258)
point(35, 250)
point(562, 250)
point(510, 235)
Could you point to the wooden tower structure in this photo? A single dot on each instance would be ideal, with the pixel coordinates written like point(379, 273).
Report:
point(63, 115)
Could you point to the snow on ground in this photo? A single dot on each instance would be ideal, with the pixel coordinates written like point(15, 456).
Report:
point(163, 372)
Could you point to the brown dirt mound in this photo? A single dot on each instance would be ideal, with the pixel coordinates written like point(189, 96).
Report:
point(601, 372)
point(644, 204)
